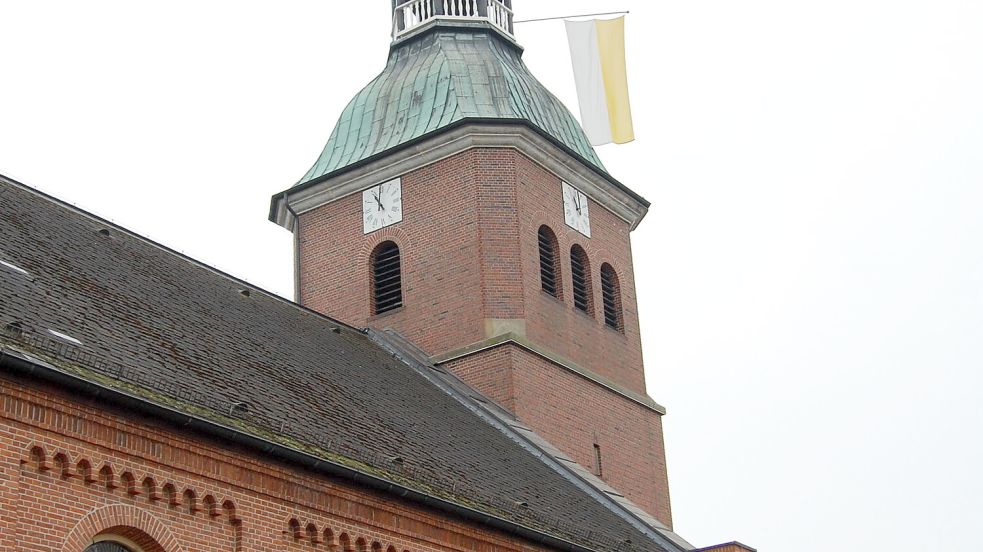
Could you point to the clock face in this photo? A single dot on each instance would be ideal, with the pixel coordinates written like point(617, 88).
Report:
point(575, 209)
point(382, 206)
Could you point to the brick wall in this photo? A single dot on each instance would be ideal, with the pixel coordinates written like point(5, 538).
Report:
point(556, 325)
point(470, 256)
point(574, 414)
point(439, 244)
point(71, 469)
point(491, 373)
point(469, 244)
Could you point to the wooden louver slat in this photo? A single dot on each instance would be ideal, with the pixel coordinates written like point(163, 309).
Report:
point(611, 295)
point(107, 546)
point(547, 262)
point(580, 273)
point(387, 282)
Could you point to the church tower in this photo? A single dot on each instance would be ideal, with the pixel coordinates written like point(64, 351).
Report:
point(459, 203)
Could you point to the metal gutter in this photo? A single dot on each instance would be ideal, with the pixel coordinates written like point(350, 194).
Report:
point(296, 236)
point(26, 365)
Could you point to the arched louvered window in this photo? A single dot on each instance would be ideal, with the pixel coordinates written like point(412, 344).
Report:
point(583, 297)
point(107, 546)
point(387, 280)
point(549, 262)
point(611, 292)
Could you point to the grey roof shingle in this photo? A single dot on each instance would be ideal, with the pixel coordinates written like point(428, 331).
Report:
point(184, 330)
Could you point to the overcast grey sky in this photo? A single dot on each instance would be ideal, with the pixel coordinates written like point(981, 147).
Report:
point(811, 271)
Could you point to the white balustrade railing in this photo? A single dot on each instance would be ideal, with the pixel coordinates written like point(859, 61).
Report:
point(461, 8)
point(500, 14)
point(414, 13)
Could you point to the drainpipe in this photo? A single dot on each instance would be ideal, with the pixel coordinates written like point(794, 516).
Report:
point(286, 204)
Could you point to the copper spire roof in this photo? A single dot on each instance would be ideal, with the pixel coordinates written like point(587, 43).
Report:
point(446, 73)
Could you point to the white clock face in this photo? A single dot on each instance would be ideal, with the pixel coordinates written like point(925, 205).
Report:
point(575, 209)
point(382, 206)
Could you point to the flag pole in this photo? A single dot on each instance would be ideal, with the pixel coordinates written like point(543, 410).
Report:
point(569, 16)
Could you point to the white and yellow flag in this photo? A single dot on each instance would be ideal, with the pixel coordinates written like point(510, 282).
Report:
point(597, 48)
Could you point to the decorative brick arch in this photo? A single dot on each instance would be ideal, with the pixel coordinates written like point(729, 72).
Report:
point(593, 251)
point(529, 238)
point(38, 455)
point(394, 234)
point(129, 522)
point(540, 217)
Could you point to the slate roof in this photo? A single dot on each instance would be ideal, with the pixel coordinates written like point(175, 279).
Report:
point(193, 339)
point(439, 78)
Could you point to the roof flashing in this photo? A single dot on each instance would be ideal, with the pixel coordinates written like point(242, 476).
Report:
point(64, 337)
point(14, 268)
point(652, 529)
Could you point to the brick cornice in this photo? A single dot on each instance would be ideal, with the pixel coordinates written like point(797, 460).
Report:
point(616, 198)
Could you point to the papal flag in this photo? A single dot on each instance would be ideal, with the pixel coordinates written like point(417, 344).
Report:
point(597, 48)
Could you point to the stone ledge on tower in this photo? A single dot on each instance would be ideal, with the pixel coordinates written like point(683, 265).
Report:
point(526, 436)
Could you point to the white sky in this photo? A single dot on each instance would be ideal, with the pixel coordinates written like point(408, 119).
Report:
point(812, 306)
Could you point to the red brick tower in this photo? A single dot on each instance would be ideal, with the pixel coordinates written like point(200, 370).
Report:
point(459, 203)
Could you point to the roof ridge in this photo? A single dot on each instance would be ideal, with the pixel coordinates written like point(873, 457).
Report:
point(170, 251)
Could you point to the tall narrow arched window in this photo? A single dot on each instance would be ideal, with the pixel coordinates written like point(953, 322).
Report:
point(583, 296)
point(611, 292)
point(387, 279)
point(549, 262)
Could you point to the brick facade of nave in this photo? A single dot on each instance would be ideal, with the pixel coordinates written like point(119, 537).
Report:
point(72, 470)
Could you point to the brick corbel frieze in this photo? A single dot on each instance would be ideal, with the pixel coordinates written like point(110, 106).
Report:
point(346, 508)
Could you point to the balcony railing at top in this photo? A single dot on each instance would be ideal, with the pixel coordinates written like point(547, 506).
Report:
point(410, 14)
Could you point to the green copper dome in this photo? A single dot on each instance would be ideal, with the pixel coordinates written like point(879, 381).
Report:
point(440, 77)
